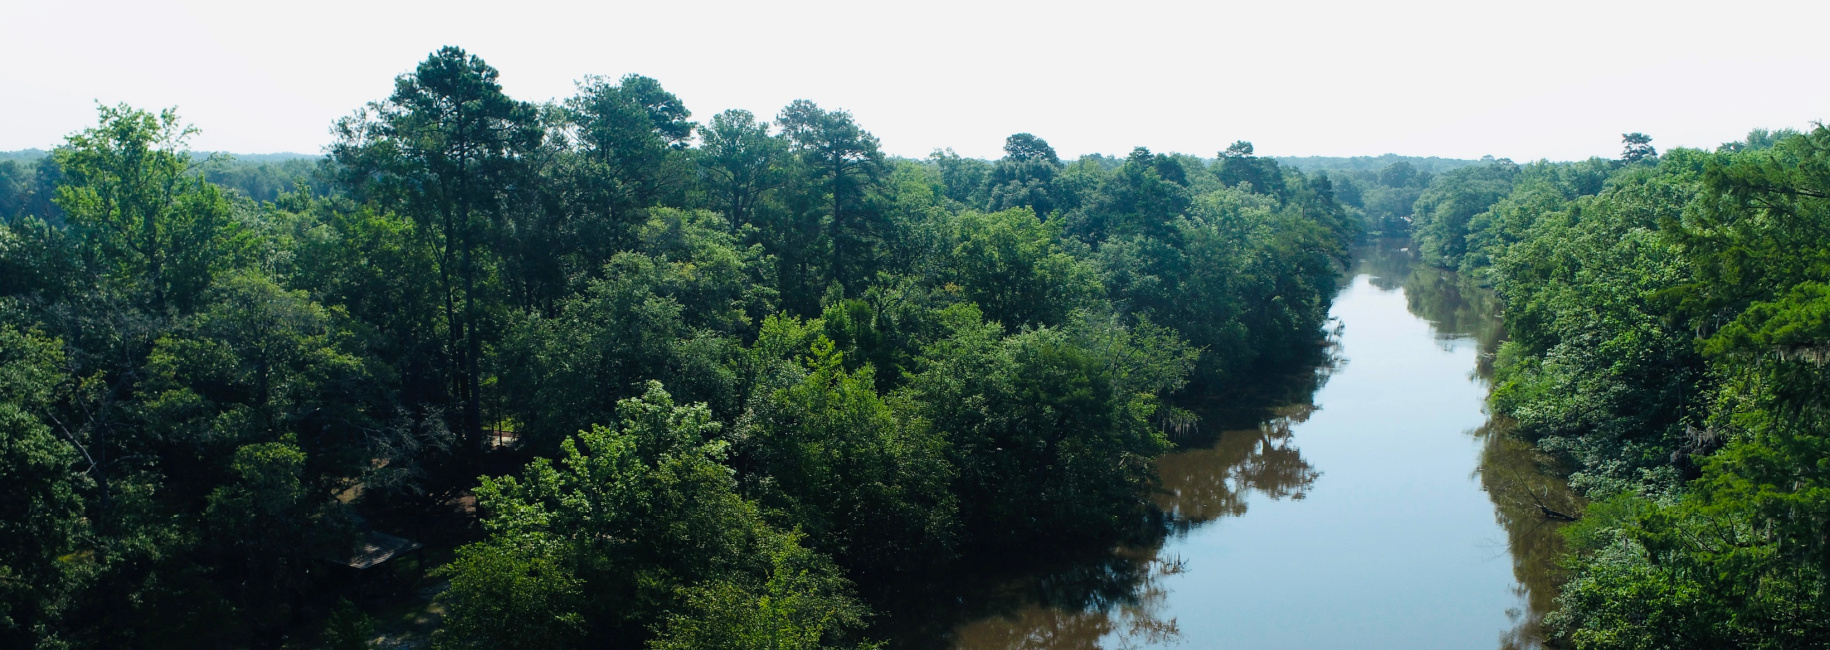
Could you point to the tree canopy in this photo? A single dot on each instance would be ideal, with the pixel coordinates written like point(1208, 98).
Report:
point(632, 379)
point(1666, 314)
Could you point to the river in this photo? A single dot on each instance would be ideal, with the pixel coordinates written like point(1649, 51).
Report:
point(1385, 510)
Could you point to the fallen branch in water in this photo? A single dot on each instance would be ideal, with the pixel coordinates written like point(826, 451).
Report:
point(1548, 513)
point(1552, 514)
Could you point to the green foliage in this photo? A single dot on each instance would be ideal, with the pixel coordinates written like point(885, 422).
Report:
point(1137, 200)
point(1696, 573)
point(1352, 165)
point(742, 163)
point(1024, 178)
point(617, 534)
point(261, 364)
point(1638, 146)
point(1794, 323)
point(1605, 376)
point(214, 373)
point(1240, 276)
point(844, 162)
point(828, 455)
point(1385, 196)
point(1013, 267)
point(348, 628)
point(1667, 337)
point(265, 181)
point(1758, 139)
point(1050, 429)
point(269, 529)
point(628, 133)
point(963, 178)
point(890, 325)
point(147, 224)
point(38, 261)
point(565, 372)
point(27, 187)
point(1442, 213)
point(445, 149)
point(41, 516)
point(511, 594)
point(1238, 166)
point(802, 605)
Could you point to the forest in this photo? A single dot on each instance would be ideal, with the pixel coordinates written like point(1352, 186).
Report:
point(615, 377)
point(612, 377)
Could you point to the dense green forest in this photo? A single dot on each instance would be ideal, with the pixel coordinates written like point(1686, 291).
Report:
point(1379, 191)
point(1667, 328)
point(634, 379)
point(639, 380)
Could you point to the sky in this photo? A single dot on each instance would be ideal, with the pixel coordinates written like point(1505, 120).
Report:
point(1465, 78)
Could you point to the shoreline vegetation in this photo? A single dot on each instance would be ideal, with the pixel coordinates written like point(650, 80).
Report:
point(1664, 316)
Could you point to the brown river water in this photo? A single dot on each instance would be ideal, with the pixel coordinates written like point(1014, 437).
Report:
point(1385, 509)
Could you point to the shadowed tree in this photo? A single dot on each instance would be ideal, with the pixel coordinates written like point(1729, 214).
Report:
point(742, 162)
point(444, 148)
point(1024, 146)
point(1024, 178)
point(1238, 164)
point(1638, 146)
point(665, 112)
point(628, 134)
point(846, 163)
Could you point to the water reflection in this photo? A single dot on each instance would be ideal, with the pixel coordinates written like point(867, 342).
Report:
point(1116, 602)
point(1387, 263)
point(1204, 484)
point(1124, 598)
point(1530, 498)
point(1531, 501)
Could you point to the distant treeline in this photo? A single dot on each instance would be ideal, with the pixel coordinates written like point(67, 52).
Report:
point(29, 178)
point(1362, 164)
point(1669, 319)
point(728, 383)
point(1379, 189)
point(32, 155)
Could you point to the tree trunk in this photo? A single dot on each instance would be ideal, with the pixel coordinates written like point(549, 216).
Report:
point(838, 222)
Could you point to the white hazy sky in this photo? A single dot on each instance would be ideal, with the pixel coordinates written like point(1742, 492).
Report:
point(1519, 79)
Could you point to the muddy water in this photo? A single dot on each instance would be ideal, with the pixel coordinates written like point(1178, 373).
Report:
point(1386, 511)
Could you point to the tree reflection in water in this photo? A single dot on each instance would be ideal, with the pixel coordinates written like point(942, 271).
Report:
point(1117, 599)
point(1530, 497)
point(1117, 602)
point(1203, 484)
